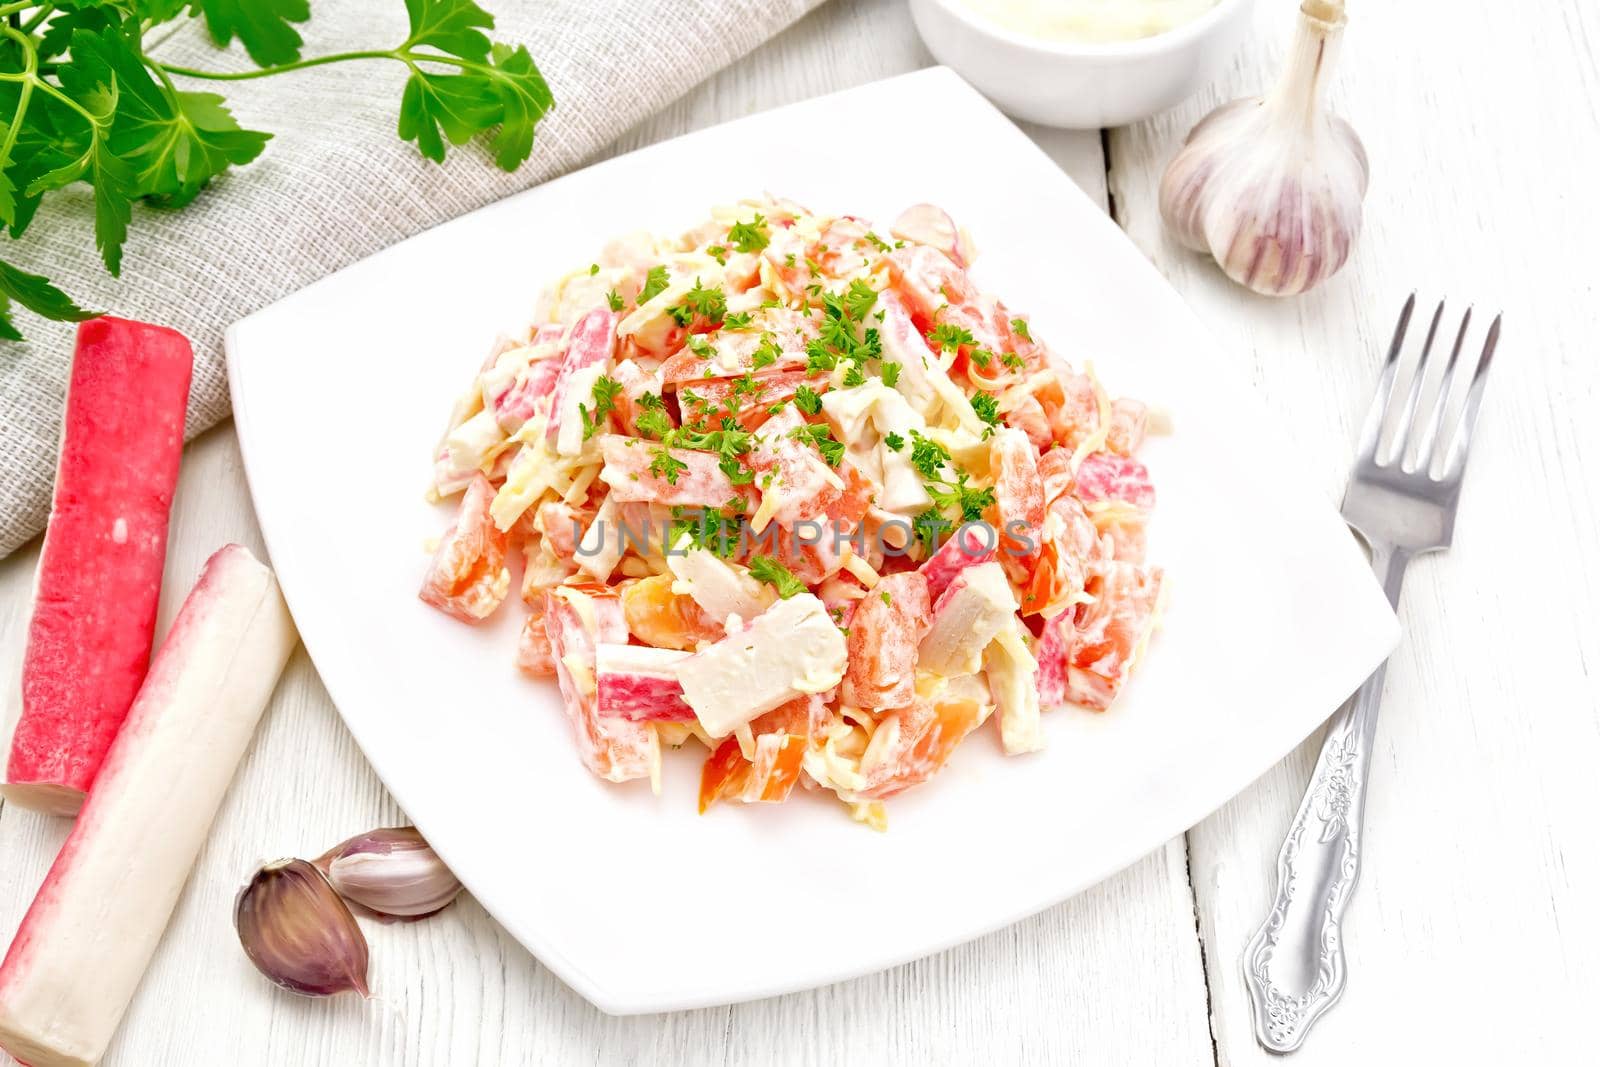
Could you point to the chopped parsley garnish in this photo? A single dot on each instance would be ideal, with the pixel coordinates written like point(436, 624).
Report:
point(949, 336)
point(1020, 328)
point(749, 236)
point(859, 299)
point(652, 420)
point(928, 456)
point(1012, 360)
point(706, 303)
point(718, 253)
point(969, 502)
point(767, 352)
point(655, 283)
point(981, 356)
point(605, 395)
point(895, 442)
point(766, 569)
point(987, 408)
point(891, 374)
point(711, 530)
point(594, 268)
point(854, 377)
point(613, 300)
point(740, 321)
point(664, 464)
point(887, 599)
point(737, 472)
point(807, 400)
point(819, 435)
point(698, 344)
point(819, 357)
point(878, 242)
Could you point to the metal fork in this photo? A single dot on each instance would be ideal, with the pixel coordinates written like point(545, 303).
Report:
point(1402, 501)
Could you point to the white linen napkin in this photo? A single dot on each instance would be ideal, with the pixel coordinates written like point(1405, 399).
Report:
point(335, 184)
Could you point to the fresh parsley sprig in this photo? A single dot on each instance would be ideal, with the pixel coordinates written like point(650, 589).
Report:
point(82, 101)
point(766, 569)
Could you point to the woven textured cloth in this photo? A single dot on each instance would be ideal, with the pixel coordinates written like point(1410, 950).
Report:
point(335, 184)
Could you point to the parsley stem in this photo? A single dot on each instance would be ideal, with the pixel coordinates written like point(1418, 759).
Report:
point(30, 65)
point(7, 10)
point(44, 12)
point(243, 75)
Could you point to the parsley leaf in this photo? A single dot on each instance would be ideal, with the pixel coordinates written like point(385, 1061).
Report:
point(949, 336)
point(613, 300)
point(262, 26)
point(987, 408)
point(1020, 328)
point(737, 472)
point(894, 441)
point(859, 299)
point(605, 395)
point(928, 456)
point(37, 295)
point(891, 374)
point(819, 435)
point(767, 352)
point(807, 400)
point(655, 282)
point(718, 253)
point(749, 236)
point(711, 530)
point(652, 420)
point(664, 464)
point(709, 304)
point(766, 569)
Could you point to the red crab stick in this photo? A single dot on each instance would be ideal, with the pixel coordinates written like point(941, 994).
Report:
point(99, 574)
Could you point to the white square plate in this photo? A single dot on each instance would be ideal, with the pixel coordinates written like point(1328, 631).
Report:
point(340, 392)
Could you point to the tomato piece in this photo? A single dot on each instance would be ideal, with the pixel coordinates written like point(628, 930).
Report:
point(534, 656)
point(782, 736)
point(468, 577)
point(912, 744)
point(1019, 498)
point(1109, 633)
point(663, 619)
point(885, 629)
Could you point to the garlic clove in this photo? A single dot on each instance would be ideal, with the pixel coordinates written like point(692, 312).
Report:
point(1272, 187)
point(392, 871)
point(299, 933)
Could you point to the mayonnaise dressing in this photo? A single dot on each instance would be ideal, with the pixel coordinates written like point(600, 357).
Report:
point(1090, 20)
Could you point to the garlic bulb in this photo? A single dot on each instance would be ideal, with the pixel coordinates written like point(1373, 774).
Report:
point(299, 933)
point(393, 872)
point(1271, 187)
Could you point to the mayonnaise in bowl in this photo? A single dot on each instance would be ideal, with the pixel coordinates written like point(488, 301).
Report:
point(1089, 21)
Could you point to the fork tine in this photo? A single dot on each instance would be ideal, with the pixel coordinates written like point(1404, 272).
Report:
point(1402, 429)
point(1372, 428)
point(1421, 458)
point(1456, 457)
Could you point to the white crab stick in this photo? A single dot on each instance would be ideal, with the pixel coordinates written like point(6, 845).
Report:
point(91, 930)
point(792, 649)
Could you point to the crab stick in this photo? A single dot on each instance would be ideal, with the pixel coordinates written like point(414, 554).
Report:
point(99, 575)
point(91, 930)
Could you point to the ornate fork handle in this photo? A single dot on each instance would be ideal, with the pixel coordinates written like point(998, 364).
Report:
point(1294, 966)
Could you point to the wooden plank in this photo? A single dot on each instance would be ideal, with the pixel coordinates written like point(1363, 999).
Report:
point(1470, 937)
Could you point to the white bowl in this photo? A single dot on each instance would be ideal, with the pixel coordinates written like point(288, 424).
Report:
point(1081, 86)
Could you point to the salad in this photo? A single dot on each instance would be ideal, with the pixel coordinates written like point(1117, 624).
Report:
point(799, 492)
